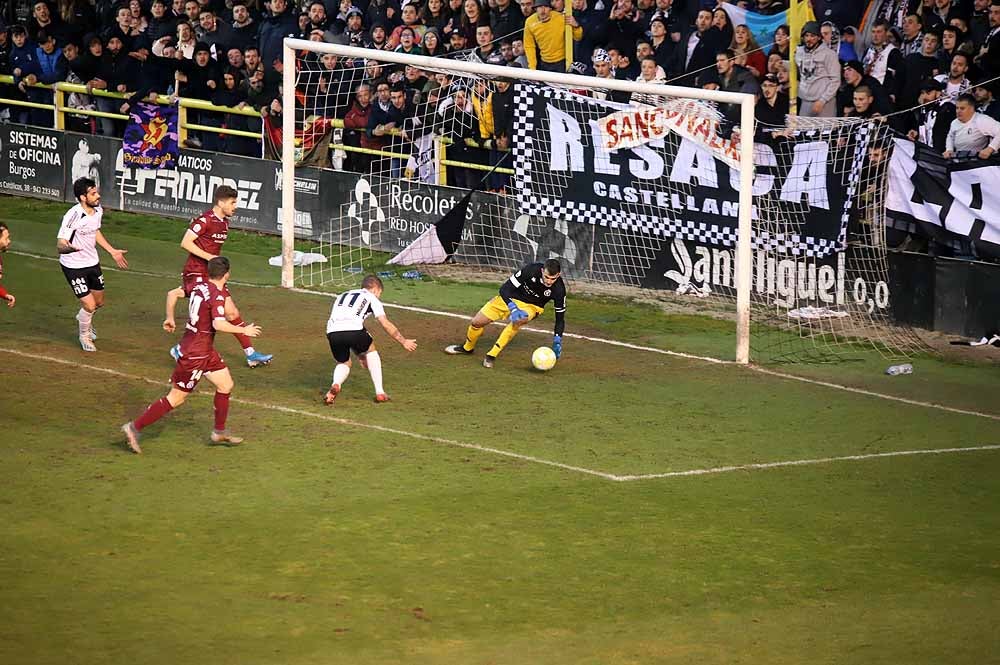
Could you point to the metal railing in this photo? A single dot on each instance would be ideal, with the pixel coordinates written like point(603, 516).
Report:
point(61, 90)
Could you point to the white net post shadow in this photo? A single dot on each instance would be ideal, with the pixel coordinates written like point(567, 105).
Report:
point(663, 213)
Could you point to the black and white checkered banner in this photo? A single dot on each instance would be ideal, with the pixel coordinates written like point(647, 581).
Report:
point(676, 187)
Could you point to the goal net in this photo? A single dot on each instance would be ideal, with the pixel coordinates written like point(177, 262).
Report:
point(632, 184)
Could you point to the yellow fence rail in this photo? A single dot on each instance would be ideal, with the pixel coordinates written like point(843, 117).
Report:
point(62, 89)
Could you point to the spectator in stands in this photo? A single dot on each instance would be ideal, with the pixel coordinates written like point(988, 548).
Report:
point(545, 30)
point(42, 19)
point(274, 28)
point(191, 11)
point(952, 43)
point(160, 23)
point(378, 39)
point(819, 75)
point(432, 45)
point(473, 15)
point(694, 56)
point(251, 63)
point(722, 23)
point(883, 61)
point(649, 72)
point(388, 113)
point(930, 122)
point(972, 133)
point(624, 25)
point(435, 14)
point(355, 130)
point(782, 43)
point(772, 107)
point(214, 32)
point(748, 53)
point(955, 81)
point(942, 13)
point(355, 30)
point(244, 27)
point(411, 20)
point(318, 19)
point(848, 41)
point(458, 122)
point(408, 41)
point(733, 78)
point(527, 8)
point(603, 69)
point(487, 50)
point(200, 80)
point(985, 102)
point(506, 19)
point(913, 35)
point(863, 104)
point(916, 68)
point(988, 58)
point(384, 13)
point(854, 77)
point(185, 40)
point(979, 22)
point(660, 42)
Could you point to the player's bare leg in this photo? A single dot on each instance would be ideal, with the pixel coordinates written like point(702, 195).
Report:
point(476, 327)
point(223, 382)
point(254, 358)
point(153, 412)
point(173, 295)
point(340, 374)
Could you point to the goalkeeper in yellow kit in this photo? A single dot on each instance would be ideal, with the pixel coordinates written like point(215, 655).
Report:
point(522, 298)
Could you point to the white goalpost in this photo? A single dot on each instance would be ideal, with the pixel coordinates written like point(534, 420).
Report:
point(626, 183)
point(745, 102)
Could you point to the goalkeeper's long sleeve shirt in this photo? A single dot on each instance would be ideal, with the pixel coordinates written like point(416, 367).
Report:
point(526, 285)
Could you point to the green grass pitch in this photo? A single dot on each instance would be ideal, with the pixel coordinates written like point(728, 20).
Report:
point(482, 517)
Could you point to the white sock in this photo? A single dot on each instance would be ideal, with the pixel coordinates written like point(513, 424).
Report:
point(340, 373)
point(84, 318)
point(249, 351)
point(375, 369)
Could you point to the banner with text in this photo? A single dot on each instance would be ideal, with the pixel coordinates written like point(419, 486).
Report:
point(151, 139)
point(31, 161)
point(679, 187)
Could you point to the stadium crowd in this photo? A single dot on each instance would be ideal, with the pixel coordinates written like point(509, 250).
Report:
point(928, 66)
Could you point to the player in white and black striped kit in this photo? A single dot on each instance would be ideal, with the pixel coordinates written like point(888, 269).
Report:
point(77, 242)
point(345, 330)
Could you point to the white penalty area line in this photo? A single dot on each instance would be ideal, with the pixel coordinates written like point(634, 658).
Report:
point(626, 345)
point(506, 453)
point(333, 419)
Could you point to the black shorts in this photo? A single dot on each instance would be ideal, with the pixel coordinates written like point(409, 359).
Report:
point(345, 341)
point(84, 280)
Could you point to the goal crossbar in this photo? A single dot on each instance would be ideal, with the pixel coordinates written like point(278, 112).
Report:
point(744, 270)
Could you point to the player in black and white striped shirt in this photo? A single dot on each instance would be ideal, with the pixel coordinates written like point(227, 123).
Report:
point(77, 241)
point(345, 331)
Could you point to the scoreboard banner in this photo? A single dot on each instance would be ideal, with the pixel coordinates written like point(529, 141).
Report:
point(674, 184)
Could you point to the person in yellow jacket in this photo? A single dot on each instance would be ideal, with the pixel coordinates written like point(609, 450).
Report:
point(545, 37)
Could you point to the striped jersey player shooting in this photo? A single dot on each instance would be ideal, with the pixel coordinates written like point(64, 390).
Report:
point(522, 298)
point(345, 331)
point(77, 242)
point(203, 241)
point(207, 304)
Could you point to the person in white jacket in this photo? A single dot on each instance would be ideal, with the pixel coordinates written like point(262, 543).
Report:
point(972, 132)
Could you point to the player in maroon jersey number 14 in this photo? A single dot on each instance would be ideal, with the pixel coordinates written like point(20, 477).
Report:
point(206, 316)
point(203, 240)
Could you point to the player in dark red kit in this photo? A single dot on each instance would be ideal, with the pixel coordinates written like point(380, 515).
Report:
point(206, 316)
point(203, 240)
point(4, 246)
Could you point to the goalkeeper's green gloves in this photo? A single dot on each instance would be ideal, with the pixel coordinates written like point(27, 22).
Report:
point(557, 345)
point(516, 313)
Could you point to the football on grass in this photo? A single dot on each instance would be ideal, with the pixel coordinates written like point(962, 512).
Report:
point(543, 358)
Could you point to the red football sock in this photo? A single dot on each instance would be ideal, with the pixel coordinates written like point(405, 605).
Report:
point(153, 412)
point(221, 410)
point(242, 339)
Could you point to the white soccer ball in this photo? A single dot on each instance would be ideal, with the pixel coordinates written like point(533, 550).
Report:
point(543, 358)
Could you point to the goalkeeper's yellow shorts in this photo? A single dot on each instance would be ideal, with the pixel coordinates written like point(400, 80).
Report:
point(496, 309)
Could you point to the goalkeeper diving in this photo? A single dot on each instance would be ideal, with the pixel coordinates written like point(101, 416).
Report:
point(522, 298)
